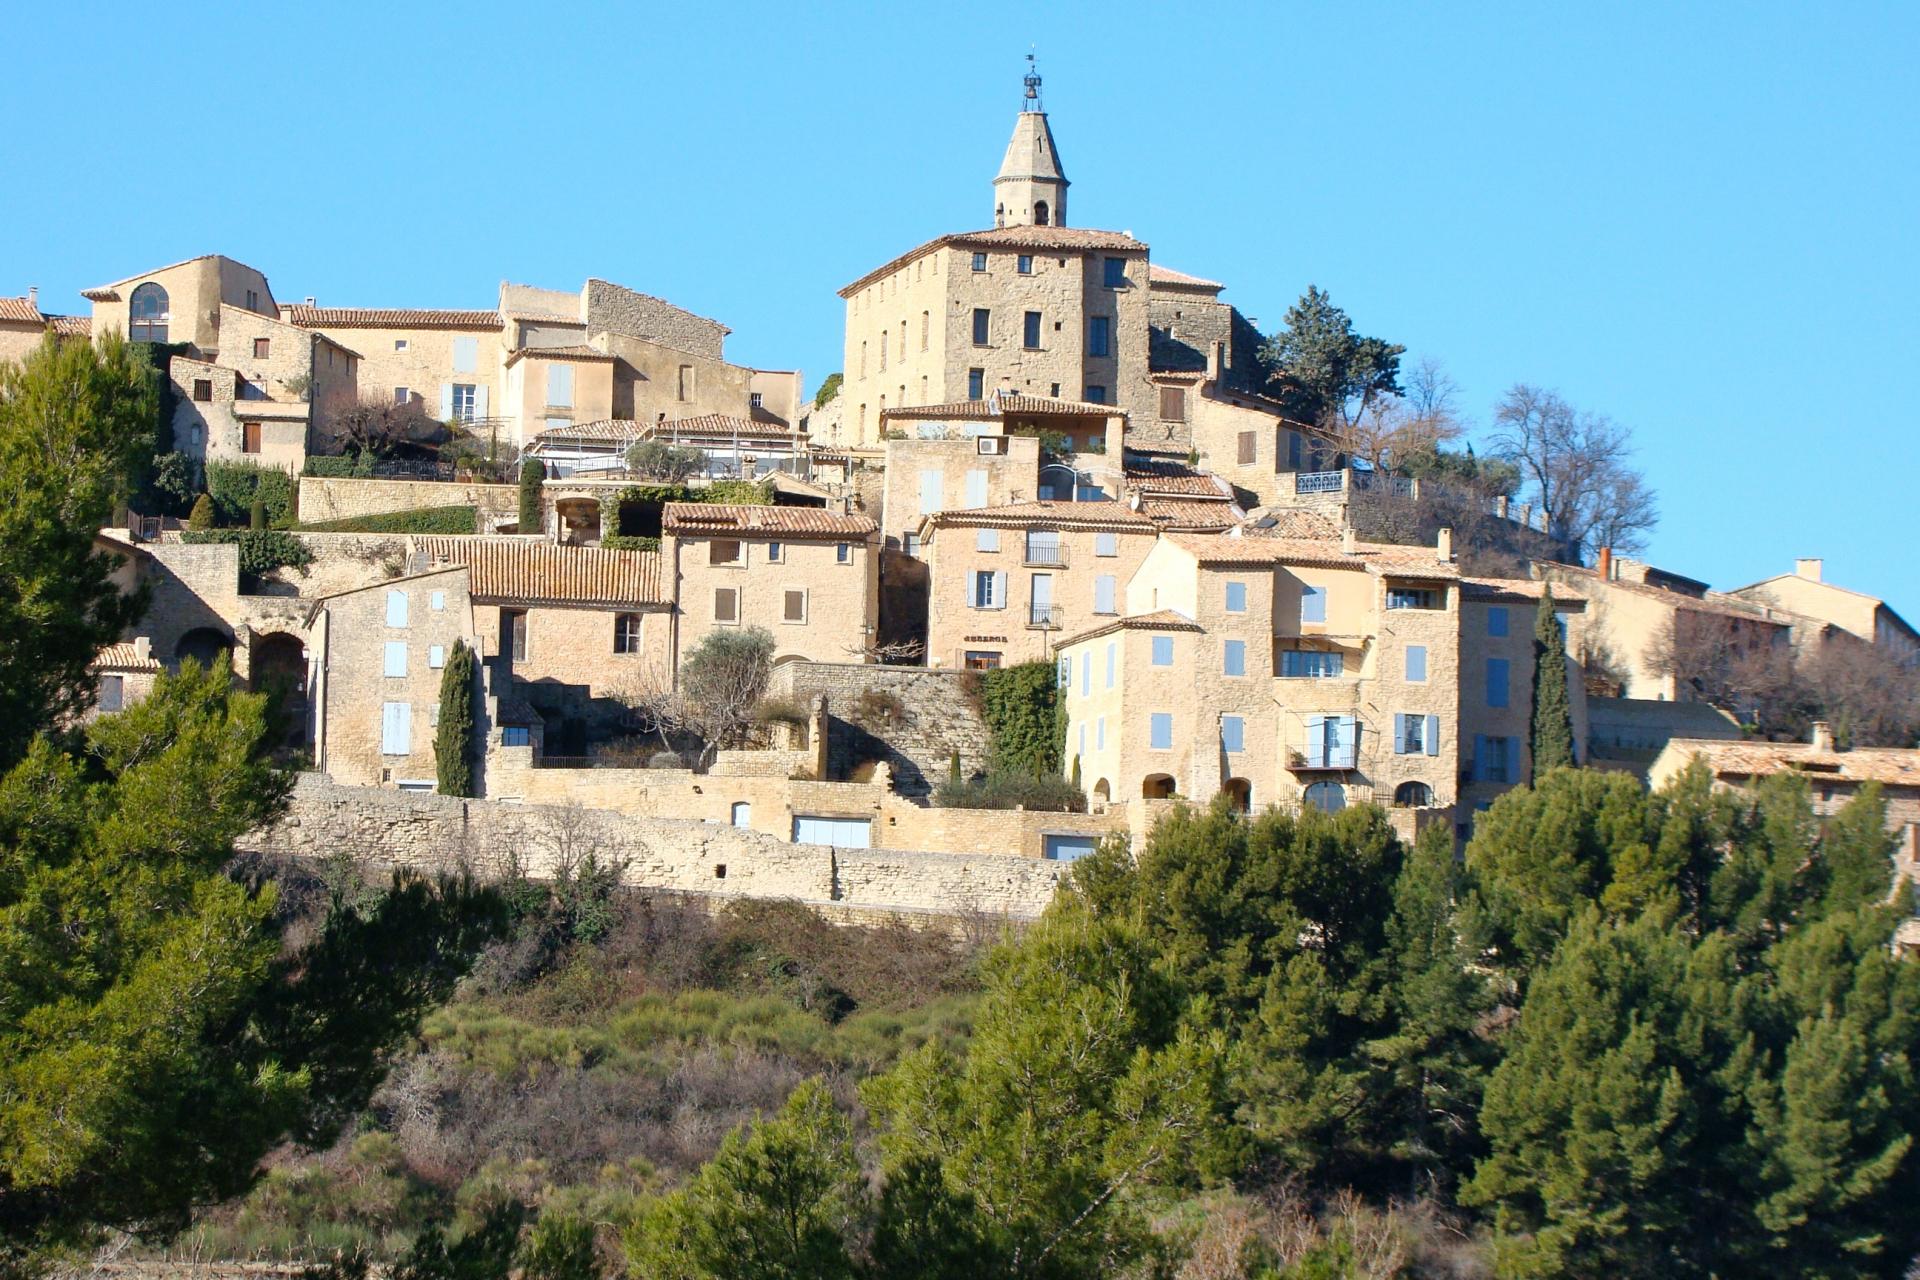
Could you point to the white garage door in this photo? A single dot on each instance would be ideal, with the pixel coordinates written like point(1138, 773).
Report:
point(1067, 848)
point(842, 833)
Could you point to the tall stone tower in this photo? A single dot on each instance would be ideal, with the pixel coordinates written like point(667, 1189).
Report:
point(1031, 189)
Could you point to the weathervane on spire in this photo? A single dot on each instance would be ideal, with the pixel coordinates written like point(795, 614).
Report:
point(1032, 100)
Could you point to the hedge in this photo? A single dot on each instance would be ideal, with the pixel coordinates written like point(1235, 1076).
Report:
point(261, 550)
point(628, 542)
point(344, 467)
point(456, 519)
point(235, 486)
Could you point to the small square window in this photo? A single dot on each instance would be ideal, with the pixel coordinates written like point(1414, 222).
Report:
point(626, 633)
point(436, 656)
point(1114, 273)
point(1173, 404)
point(986, 539)
point(516, 735)
point(979, 262)
point(1163, 651)
point(976, 384)
point(399, 344)
point(402, 395)
point(260, 348)
point(1096, 394)
point(1026, 264)
point(775, 553)
point(723, 551)
point(203, 389)
point(1106, 544)
point(843, 553)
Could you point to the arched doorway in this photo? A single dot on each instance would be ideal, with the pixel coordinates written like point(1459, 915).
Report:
point(1413, 795)
point(1058, 482)
point(577, 520)
point(203, 645)
point(1157, 786)
point(1327, 797)
point(277, 667)
point(1102, 791)
point(1239, 792)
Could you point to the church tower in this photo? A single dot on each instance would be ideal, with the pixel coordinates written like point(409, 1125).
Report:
point(1031, 189)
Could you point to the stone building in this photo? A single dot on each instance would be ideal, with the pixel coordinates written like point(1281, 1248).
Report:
point(1496, 679)
point(809, 577)
point(1006, 582)
point(23, 326)
point(185, 302)
point(123, 674)
point(257, 399)
point(1820, 609)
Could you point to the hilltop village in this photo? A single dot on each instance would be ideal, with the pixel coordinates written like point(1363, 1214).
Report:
point(1045, 448)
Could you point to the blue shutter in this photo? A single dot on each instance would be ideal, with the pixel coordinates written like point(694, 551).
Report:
point(1399, 734)
point(1103, 593)
point(1313, 604)
point(1513, 759)
point(1416, 662)
point(1316, 752)
point(929, 492)
point(1234, 658)
point(1479, 757)
point(1163, 651)
point(1346, 741)
point(1236, 597)
point(1086, 674)
point(1497, 672)
point(1497, 620)
point(1160, 731)
point(1433, 735)
point(1233, 734)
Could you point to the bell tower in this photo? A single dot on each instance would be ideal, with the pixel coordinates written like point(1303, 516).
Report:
point(1031, 188)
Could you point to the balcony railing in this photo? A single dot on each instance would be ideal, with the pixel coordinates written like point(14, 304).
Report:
point(1354, 480)
point(1046, 556)
point(1047, 617)
point(1319, 481)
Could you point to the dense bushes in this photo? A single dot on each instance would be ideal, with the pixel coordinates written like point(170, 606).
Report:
point(353, 466)
point(261, 550)
point(454, 519)
point(1049, 792)
point(1019, 706)
point(235, 486)
point(624, 542)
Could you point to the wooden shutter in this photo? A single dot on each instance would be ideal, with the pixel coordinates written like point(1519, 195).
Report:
point(796, 606)
point(1249, 448)
point(249, 437)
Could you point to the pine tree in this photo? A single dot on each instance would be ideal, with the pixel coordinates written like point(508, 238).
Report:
point(1552, 718)
point(453, 739)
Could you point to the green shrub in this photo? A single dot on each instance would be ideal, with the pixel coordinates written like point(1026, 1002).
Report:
point(455, 519)
point(257, 514)
point(261, 550)
point(533, 479)
point(201, 517)
point(235, 485)
point(1019, 704)
point(829, 388)
point(172, 485)
point(629, 542)
point(1049, 792)
point(350, 466)
point(739, 493)
point(663, 461)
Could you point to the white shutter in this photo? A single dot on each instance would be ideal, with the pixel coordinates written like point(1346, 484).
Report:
point(396, 729)
point(396, 608)
point(999, 589)
point(480, 401)
point(1103, 589)
point(929, 492)
point(976, 489)
point(446, 401)
point(1433, 735)
point(396, 659)
point(436, 656)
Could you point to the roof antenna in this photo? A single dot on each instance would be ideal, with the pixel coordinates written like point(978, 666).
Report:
point(1031, 101)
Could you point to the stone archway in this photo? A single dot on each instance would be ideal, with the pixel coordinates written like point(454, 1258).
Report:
point(1157, 786)
point(1240, 792)
point(277, 667)
point(203, 645)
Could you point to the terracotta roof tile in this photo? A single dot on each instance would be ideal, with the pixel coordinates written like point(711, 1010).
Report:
point(719, 520)
point(388, 318)
point(1002, 403)
point(1160, 620)
point(1898, 766)
point(1285, 523)
point(1192, 514)
point(1157, 274)
point(1590, 582)
point(72, 326)
point(20, 311)
point(1182, 483)
point(123, 656)
point(577, 351)
point(1043, 238)
point(1061, 515)
point(1223, 549)
point(1519, 589)
point(541, 573)
point(719, 424)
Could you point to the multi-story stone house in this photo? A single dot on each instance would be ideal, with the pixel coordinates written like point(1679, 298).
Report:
point(1006, 582)
point(1496, 678)
point(258, 397)
point(1821, 610)
point(23, 326)
point(185, 302)
point(808, 576)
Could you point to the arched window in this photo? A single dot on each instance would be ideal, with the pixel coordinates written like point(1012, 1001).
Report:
point(1040, 213)
point(147, 314)
point(1240, 792)
point(1413, 795)
point(1327, 797)
point(742, 814)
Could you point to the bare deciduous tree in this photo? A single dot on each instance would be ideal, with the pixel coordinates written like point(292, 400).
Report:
point(722, 681)
point(1577, 467)
point(385, 429)
point(1743, 666)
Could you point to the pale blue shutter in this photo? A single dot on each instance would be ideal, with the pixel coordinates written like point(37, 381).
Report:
point(1316, 742)
point(1513, 759)
point(396, 729)
point(1416, 662)
point(999, 589)
point(929, 492)
point(446, 401)
point(976, 489)
point(1346, 739)
point(1399, 733)
point(396, 608)
point(1433, 735)
point(1313, 604)
point(480, 401)
point(1103, 591)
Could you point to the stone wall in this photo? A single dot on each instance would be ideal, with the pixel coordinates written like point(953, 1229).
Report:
point(433, 832)
point(938, 720)
point(329, 498)
point(619, 310)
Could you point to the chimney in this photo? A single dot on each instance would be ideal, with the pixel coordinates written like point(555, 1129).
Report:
point(1606, 564)
point(1822, 737)
point(1808, 569)
point(1348, 542)
point(311, 302)
point(143, 647)
point(1443, 546)
point(33, 296)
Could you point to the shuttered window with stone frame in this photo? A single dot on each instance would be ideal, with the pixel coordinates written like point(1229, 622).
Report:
point(793, 606)
point(726, 604)
point(1249, 448)
point(1173, 404)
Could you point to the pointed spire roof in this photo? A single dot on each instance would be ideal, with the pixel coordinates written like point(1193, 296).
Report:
point(1031, 154)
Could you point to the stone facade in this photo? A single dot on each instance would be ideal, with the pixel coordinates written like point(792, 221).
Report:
point(327, 498)
point(816, 592)
point(273, 385)
point(938, 723)
point(192, 293)
point(612, 308)
point(1806, 594)
point(923, 477)
point(1496, 627)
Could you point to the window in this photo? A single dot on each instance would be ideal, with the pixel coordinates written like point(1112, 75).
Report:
point(975, 489)
point(203, 389)
point(1040, 213)
point(402, 395)
point(1106, 544)
point(1030, 330)
point(1496, 759)
point(883, 351)
point(626, 633)
point(1026, 264)
point(1249, 449)
point(1332, 742)
point(776, 553)
point(1113, 661)
point(1043, 547)
point(1417, 663)
point(1498, 672)
point(1416, 734)
point(1086, 675)
point(1163, 651)
point(1160, 731)
point(843, 553)
point(1497, 620)
point(248, 390)
point(1413, 598)
point(1310, 664)
point(793, 605)
point(466, 399)
point(1413, 795)
point(1100, 734)
point(556, 424)
point(1327, 797)
point(686, 382)
point(976, 384)
point(1313, 604)
point(726, 604)
point(979, 262)
point(1233, 734)
point(1114, 273)
point(253, 299)
point(396, 728)
point(929, 492)
point(516, 735)
point(1233, 658)
point(723, 551)
point(399, 344)
point(1104, 591)
point(112, 694)
point(560, 385)
point(437, 601)
point(260, 348)
point(396, 608)
point(926, 328)
point(396, 660)
point(1236, 597)
point(982, 326)
point(249, 437)
point(1096, 393)
point(1173, 404)
point(436, 657)
point(981, 659)
point(1293, 451)
point(986, 540)
point(513, 634)
point(910, 543)
point(148, 314)
point(1100, 336)
point(988, 589)
point(466, 355)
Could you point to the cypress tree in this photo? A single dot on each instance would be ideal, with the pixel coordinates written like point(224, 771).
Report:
point(1552, 719)
point(257, 515)
point(453, 740)
point(201, 517)
point(533, 478)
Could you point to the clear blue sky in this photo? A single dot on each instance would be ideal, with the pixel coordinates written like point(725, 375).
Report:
point(1700, 220)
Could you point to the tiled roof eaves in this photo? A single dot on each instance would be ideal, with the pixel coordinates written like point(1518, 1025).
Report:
point(1005, 237)
point(1062, 516)
point(1161, 620)
point(543, 573)
point(389, 318)
point(723, 520)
